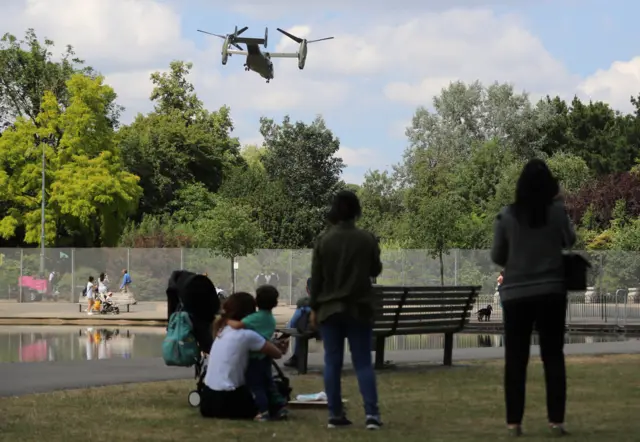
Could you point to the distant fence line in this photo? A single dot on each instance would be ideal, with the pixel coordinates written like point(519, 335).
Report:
point(150, 269)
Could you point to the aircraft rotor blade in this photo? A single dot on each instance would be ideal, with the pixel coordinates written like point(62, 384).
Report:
point(242, 30)
point(237, 46)
point(209, 33)
point(320, 39)
point(291, 36)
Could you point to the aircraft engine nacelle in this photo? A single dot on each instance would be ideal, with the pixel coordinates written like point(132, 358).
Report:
point(302, 54)
point(225, 49)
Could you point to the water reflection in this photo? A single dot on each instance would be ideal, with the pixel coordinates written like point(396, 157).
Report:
point(67, 343)
point(70, 343)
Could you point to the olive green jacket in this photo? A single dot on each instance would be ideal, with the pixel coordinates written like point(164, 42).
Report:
point(345, 258)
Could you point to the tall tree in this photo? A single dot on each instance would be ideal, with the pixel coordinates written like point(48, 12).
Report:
point(381, 202)
point(28, 68)
point(88, 194)
point(302, 158)
point(466, 115)
point(178, 144)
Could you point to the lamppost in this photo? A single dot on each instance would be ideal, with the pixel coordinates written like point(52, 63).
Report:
point(43, 142)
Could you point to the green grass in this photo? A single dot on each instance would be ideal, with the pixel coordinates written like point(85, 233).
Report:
point(418, 404)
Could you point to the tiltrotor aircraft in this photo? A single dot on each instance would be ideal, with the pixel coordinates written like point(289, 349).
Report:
point(258, 61)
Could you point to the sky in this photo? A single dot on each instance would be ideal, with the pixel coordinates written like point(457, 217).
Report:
point(387, 58)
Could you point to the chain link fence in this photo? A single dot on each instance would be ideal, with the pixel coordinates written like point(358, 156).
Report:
point(614, 279)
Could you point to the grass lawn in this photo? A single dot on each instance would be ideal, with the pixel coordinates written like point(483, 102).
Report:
point(418, 404)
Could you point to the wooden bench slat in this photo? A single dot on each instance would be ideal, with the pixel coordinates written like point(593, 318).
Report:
point(418, 302)
point(404, 318)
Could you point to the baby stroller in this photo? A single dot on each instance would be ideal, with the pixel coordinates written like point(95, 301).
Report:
point(108, 305)
point(283, 384)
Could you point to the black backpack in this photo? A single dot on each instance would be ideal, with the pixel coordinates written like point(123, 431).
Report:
point(84, 292)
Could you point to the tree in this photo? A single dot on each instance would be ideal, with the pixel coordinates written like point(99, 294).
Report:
point(381, 202)
point(28, 69)
point(571, 170)
point(301, 158)
point(468, 115)
point(89, 195)
point(179, 144)
point(229, 231)
point(436, 226)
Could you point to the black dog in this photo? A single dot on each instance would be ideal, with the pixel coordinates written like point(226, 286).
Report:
point(485, 313)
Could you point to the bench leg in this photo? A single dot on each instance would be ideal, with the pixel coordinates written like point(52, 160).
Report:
point(128, 308)
point(79, 307)
point(379, 364)
point(448, 348)
point(303, 355)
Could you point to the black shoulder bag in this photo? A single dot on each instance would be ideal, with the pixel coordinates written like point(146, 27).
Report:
point(575, 271)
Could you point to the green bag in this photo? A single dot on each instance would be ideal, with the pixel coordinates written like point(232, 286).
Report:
point(180, 348)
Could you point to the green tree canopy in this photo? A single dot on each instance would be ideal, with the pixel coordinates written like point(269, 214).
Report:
point(178, 144)
point(88, 192)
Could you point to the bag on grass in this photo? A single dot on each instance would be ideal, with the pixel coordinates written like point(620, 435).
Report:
point(180, 348)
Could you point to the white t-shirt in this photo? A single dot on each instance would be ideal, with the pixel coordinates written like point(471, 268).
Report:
point(90, 294)
point(102, 287)
point(229, 357)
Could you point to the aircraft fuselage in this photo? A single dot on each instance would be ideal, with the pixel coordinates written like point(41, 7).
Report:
point(259, 62)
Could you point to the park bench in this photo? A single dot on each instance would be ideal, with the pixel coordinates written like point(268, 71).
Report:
point(122, 299)
point(409, 311)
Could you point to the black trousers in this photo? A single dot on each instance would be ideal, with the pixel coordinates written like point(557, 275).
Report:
point(234, 404)
point(547, 312)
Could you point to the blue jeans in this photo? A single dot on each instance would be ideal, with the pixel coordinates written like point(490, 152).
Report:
point(334, 331)
point(292, 324)
point(259, 379)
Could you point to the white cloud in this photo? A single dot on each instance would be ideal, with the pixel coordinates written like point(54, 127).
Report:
point(362, 157)
point(615, 85)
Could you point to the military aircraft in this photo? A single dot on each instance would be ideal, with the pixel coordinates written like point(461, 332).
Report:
point(258, 61)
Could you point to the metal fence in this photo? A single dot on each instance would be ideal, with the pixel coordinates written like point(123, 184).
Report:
point(613, 273)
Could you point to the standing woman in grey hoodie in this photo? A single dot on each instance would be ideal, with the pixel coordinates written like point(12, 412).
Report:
point(529, 236)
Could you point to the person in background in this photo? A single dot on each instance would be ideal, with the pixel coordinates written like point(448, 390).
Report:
point(103, 280)
point(529, 236)
point(126, 284)
point(499, 280)
point(302, 308)
point(344, 260)
point(91, 294)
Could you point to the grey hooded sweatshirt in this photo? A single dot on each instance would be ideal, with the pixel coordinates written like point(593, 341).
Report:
point(532, 258)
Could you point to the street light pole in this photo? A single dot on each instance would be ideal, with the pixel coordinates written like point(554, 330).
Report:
point(42, 217)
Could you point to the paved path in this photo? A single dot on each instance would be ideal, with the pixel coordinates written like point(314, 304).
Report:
point(66, 312)
point(39, 377)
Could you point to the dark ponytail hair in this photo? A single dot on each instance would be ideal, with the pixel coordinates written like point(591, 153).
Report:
point(535, 191)
point(236, 307)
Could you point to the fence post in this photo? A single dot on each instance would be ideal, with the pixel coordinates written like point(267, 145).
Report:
point(290, 276)
point(73, 272)
point(21, 275)
point(181, 258)
point(455, 266)
point(128, 261)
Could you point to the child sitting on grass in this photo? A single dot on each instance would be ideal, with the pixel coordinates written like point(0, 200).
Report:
point(259, 376)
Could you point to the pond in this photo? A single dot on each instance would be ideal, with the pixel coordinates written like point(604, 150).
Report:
point(70, 343)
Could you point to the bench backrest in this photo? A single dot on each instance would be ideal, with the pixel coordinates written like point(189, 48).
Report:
point(415, 310)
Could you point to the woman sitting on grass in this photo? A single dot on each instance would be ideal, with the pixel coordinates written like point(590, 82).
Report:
point(225, 394)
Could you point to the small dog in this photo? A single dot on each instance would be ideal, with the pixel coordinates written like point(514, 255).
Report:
point(485, 313)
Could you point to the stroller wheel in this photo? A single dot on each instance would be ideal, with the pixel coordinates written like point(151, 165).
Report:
point(194, 398)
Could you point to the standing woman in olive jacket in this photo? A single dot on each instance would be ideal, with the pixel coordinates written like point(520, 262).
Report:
point(529, 236)
point(345, 258)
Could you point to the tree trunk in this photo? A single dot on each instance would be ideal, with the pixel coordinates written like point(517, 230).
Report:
point(233, 276)
point(441, 269)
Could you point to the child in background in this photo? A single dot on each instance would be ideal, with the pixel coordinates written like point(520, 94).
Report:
point(259, 376)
